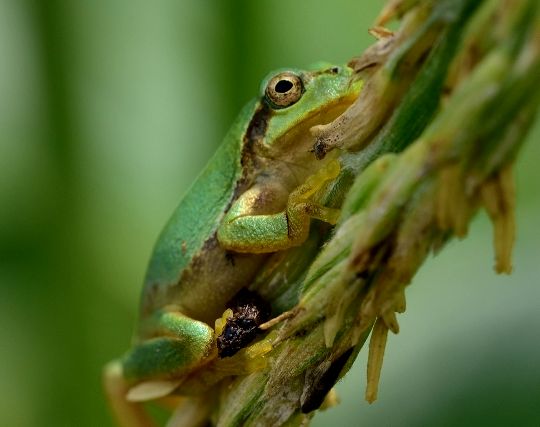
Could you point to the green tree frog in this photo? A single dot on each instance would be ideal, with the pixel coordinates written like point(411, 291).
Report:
point(255, 197)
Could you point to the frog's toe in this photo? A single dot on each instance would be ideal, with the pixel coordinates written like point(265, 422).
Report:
point(150, 390)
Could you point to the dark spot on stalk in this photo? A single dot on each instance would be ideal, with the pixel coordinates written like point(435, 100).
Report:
point(320, 149)
point(249, 311)
point(314, 393)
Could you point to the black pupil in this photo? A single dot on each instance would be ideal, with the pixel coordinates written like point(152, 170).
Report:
point(283, 86)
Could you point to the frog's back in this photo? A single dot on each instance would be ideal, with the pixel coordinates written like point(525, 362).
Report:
point(197, 217)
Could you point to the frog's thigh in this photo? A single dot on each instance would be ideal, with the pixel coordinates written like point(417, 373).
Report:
point(178, 344)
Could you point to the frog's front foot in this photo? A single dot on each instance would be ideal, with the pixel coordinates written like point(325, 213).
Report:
point(241, 231)
point(300, 208)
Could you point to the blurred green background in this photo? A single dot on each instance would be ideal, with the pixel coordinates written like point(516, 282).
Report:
point(108, 110)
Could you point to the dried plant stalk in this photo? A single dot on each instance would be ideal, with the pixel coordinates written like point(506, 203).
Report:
point(447, 101)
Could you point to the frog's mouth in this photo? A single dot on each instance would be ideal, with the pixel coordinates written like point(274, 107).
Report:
point(277, 143)
point(292, 154)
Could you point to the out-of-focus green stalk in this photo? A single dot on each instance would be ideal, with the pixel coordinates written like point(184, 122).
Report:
point(461, 81)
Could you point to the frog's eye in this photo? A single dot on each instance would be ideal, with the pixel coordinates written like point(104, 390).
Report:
point(284, 90)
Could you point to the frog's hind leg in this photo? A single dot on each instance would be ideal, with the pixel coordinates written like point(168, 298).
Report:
point(174, 345)
point(186, 411)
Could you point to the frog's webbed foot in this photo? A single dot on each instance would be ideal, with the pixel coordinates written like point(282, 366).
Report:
point(186, 411)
